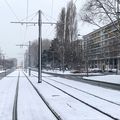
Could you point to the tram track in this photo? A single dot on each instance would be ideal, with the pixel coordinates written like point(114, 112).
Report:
point(84, 91)
point(44, 100)
point(79, 78)
point(91, 106)
point(14, 113)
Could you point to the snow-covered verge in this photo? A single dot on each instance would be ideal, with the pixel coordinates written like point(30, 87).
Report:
point(109, 95)
point(1, 71)
point(69, 72)
point(7, 93)
point(106, 78)
point(67, 107)
point(30, 105)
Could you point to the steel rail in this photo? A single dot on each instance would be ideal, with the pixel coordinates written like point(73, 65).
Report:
point(91, 106)
point(44, 100)
point(14, 113)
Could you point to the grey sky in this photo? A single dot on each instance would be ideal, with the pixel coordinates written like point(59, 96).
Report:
point(12, 34)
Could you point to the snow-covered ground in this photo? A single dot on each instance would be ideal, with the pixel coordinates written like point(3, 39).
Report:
point(104, 78)
point(67, 107)
point(1, 71)
point(7, 93)
point(99, 103)
point(68, 72)
point(31, 107)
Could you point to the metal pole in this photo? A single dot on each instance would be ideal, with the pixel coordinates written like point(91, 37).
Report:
point(117, 36)
point(87, 57)
point(63, 47)
point(29, 60)
point(53, 59)
point(39, 48)
point(4, 64)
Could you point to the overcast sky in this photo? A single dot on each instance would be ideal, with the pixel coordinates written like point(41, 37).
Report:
point(14, 10)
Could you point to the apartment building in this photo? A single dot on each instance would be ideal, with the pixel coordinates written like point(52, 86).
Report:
point(102, 48)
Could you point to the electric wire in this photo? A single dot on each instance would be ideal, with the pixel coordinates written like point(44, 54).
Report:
point(29, 16)
point(25, 33)
point(48, 16)
point(75, 1)
point(52, 9)
point(50, 32)
point(27, 9)
point(11, 9)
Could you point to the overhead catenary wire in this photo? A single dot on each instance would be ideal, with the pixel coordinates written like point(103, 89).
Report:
point(27, 9)
point(30, 16)
point(52, 9)
point(25, 34)
point(11, 9)
point(48, 16)
point(75, 1)
point(50, 32)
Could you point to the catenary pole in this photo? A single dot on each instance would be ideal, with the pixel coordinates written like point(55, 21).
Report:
point(39, 48)
point(39, 41)
point(29, 60)
point(29, 54)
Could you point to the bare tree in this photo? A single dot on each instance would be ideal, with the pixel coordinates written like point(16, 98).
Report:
point(60, 26)
point(34, 52)
point(45, 44)
point(60, 35)
point(99, 12)
point(71, 31)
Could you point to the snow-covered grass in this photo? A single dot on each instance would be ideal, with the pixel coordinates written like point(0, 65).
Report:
point(105, 106)
point(30, 105)
point(69, 72)
point(105, 78)
point(7, 93)
point(99, 77)
point(1, 71)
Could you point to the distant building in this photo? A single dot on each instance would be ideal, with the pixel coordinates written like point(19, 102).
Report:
point(102, 48)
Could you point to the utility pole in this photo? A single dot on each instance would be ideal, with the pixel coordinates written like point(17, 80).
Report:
point(22, 45)
point(117, 35)
point(4, 64)
point(29, 60)
point(39, 48)
point(39, 41)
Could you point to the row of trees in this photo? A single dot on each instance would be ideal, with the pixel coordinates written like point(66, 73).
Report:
point(62, 51)
point(62, 48)
point(101, 12)
point(7, 63)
